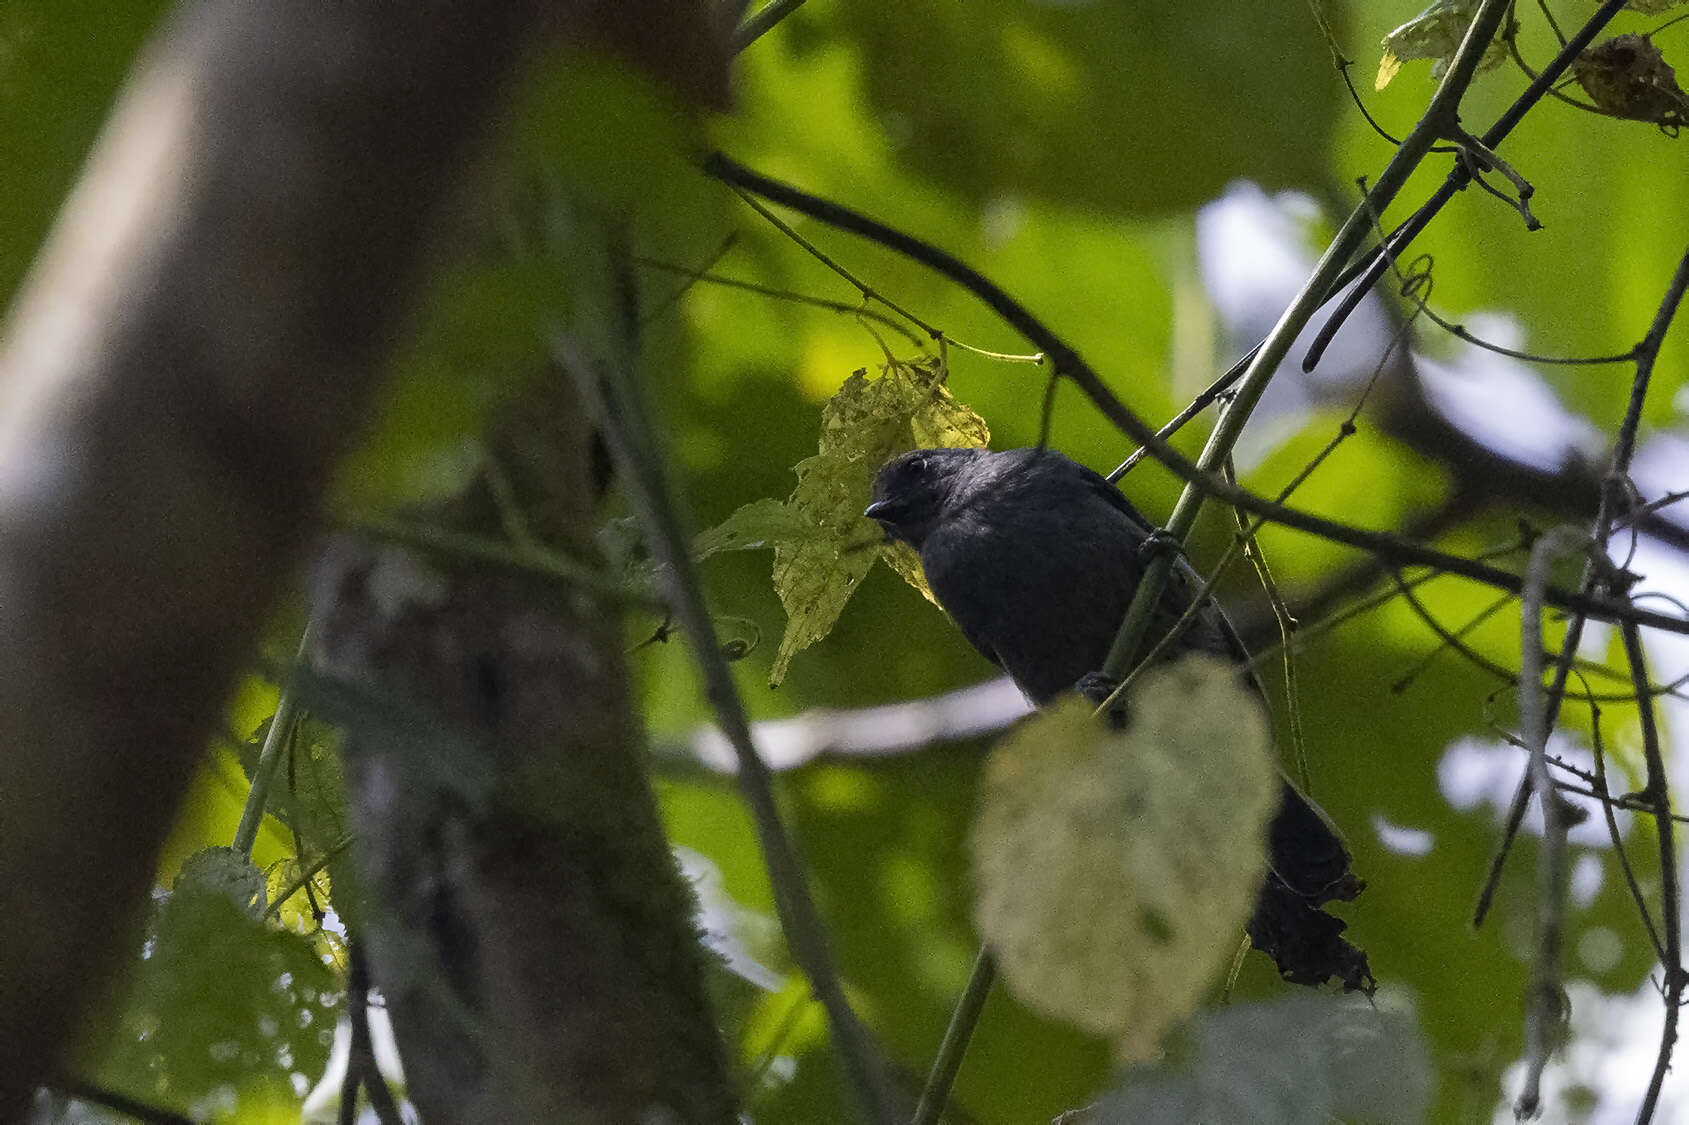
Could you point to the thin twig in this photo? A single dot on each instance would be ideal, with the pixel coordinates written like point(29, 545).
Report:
point(347, 1114)
point(1204, 399)
point(759, 23)
point(692, 275)
point(1287, 625)
point(1451, 640)
point(318, 915)
point(118, 1103)
point(538, 561)
point(1545, 1008)
point(361, 1056)
point(1347, 612)
point(1598, 783)
point(954, 1047)
point(304, 879)
point(869, 293)
point(1653, 506)
point(1658, 794)
point(783, 295)
point(1613, 494)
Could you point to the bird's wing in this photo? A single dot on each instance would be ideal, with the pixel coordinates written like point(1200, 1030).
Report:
point(979, 642)
point(1100, 486)
point(946, 573)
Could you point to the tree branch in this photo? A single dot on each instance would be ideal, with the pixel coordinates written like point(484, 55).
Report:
point(1392, 549)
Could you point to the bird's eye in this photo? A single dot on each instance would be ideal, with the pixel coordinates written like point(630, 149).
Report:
point(915, 466)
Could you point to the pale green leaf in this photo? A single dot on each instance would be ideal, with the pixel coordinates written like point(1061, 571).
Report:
point(902, 558)
point(1115, 869)
point(221, 1003)
point(862, 426)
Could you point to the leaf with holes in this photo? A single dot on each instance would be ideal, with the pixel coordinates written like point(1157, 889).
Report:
point(221, 1000)
point(1434, 34)
point(823, 545)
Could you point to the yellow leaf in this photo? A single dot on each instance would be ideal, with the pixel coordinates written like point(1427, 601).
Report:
point(1115, 870)
point(1388, 67)
point(823, 545)
point(902, 558)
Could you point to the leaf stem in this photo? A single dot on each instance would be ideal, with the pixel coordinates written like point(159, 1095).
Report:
point(269, 757)
point(306, 875)
point(1659, 796)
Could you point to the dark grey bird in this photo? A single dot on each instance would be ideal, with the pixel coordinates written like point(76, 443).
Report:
point(1036, 558)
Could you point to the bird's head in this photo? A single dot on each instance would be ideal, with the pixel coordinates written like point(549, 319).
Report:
point(912, 490)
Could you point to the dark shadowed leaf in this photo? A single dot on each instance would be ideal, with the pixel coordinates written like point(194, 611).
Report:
point(1286, 1062)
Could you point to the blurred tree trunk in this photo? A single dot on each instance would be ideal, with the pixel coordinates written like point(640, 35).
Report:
point(191, 355)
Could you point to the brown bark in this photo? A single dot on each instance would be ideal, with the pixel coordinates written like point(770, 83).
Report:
point(531, 932)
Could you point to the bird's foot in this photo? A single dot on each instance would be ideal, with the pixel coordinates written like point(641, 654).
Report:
point(1096, 688)
point(1159, 541)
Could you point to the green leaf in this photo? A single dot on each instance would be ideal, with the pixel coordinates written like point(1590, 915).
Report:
point(1115, 869)
point(220, 998)
point(758, 525)
point(1297, 1059)
point(310, 791)
point(823, 545)
point(225, 872)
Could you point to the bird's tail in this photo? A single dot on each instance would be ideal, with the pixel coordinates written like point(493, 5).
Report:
point(1308, 866)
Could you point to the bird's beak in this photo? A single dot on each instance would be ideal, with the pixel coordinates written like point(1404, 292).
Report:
point(881, 510)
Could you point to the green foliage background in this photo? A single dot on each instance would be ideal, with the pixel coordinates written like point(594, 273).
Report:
point(1060, 149)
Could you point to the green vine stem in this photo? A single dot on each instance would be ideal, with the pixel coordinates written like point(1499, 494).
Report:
point(269, 757)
